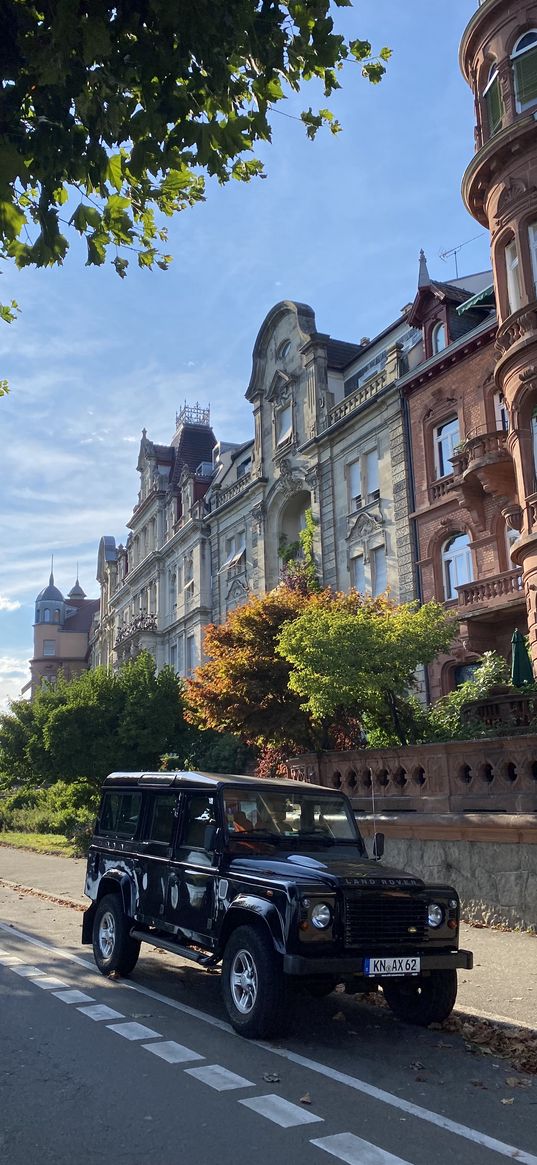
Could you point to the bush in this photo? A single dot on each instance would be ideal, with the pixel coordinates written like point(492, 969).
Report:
point(66, 809)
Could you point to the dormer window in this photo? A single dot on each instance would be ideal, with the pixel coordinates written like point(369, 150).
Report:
point(493, 101)
point(524, 58)
point(244, 467)
point(438, 339)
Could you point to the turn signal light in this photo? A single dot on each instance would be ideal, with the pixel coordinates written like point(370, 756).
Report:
point(452, 924)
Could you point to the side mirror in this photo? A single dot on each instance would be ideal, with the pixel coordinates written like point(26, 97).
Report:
point(378, 846)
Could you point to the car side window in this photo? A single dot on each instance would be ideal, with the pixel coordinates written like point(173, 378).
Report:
point(162, 819)
point(120, 814)
point(198, 832)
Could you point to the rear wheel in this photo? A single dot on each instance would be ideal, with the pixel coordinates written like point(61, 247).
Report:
point(113, 948)
point(424, 999)
point(253, 983)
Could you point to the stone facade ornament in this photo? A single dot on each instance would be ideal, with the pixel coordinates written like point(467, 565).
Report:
point(312, 481)
point(279, 389)
point(258, 516)
point(291, 480)
point(363, 528)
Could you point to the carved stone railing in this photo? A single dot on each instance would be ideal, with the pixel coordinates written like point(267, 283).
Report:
point(439, 489)
point(220, 497)
point(520, 325)
point(492, 591)
point(141, 623)
point(365, 392)
point(499, 775)
point(480, 446)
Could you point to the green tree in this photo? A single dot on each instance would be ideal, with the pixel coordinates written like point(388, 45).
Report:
point(91, 725)
point(360, 654)
point(112, 114)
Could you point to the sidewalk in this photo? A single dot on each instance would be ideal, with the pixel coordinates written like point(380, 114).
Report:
point(502, 986)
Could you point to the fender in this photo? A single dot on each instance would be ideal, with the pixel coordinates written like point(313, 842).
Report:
point(245, 908)
point(109, 883)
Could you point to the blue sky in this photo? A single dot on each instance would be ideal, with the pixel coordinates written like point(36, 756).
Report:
point(337, 223)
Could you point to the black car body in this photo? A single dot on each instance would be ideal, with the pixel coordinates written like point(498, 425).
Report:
point(273, 879)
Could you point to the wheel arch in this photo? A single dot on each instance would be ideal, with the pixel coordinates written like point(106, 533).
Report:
point(247, 910)
point(113, 882)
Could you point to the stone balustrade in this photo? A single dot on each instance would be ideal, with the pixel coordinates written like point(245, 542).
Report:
point(360, 395)
point(439, 489)
point(220, 497)
point(508, 585)
point(519, 325)
point(141, 623)
point(497, 775)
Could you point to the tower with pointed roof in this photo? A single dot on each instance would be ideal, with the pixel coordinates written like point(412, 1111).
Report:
point(61, 633)
point(498, 57)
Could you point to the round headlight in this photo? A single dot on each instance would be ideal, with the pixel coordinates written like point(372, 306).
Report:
point(435, 914)
point(321, 915)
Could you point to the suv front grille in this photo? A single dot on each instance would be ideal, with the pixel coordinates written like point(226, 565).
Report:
point(384, 921)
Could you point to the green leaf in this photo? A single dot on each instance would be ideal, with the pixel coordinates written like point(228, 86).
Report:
point(114, 171)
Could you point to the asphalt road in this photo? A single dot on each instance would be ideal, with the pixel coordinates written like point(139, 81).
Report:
point(81, 1086)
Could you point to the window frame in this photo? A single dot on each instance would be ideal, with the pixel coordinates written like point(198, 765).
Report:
point(438, 329)
point(532, 244)
point(377, 590)
point(285, 436)
point(440, 458)
point(50, 643)
point(493, 80)
point(450, 580)
point(512, 273)
point(517, 54)
point(358, 558)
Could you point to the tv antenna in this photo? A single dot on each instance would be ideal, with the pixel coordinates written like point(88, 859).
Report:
point(445, 255)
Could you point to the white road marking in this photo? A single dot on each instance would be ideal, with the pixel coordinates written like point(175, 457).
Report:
point(219, 1078)
point(354, 1151)
point(133, 1031)
point(28, 972)
point(100, 1011)
point(49, 983)
point(73, 996)
point(280, 1111)
point(9, 960)
point(434, 1118)
point(172, 1052)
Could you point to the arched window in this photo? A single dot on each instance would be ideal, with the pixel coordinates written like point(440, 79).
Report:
point(438, 339)
point(513, 276)
point(524, 58)
point(493, 100)
point(46, 615)
point(457, 564)
point(446, 438)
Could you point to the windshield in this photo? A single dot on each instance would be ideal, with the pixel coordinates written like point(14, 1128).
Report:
point(301, 817)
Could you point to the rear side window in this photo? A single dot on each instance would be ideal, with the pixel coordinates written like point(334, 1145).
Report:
point(162, 819)
point(120, 813)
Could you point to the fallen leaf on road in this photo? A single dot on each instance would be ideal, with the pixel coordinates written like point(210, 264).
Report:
point(507, 1100)
point(478, 1083)
point(515, 1082)
point(271, 1077)
point(306, 1098)
point(416, 1065)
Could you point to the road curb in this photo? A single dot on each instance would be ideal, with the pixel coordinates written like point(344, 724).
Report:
point(58, 901)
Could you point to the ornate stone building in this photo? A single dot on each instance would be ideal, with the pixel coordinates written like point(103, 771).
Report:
point(211, 519)
point(498, 57)
point(458, 459)
point(61, 634)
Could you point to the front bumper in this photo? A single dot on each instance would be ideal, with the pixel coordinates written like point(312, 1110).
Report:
point(347, 966)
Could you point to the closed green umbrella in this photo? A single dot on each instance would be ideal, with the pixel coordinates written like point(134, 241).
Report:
point(521, 669)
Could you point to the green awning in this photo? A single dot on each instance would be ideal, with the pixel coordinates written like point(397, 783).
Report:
point(486, 293)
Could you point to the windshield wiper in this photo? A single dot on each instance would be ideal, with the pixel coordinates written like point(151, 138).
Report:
point(323, 838)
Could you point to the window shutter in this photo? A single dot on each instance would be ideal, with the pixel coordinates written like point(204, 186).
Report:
point(526, 77)
point(494, 106)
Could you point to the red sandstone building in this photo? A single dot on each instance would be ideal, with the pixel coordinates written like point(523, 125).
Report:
point(461, 472)
point(498, 57)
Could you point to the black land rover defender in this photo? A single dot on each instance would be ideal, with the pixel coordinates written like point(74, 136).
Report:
point(272, 879)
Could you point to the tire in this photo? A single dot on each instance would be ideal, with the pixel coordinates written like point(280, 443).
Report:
point(423, 1000)
point(113, 948)
point(255, 1005)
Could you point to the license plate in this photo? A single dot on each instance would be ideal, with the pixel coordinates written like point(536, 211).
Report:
point(396, 965)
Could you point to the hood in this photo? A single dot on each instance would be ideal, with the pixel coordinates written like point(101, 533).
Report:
point(326, 869)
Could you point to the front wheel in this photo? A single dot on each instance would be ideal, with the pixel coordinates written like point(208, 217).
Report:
point(424, 999)
point(253, 983)
point(113, 948)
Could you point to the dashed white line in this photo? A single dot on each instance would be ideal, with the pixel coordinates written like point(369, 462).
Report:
point(354, 1151)
point(172, 1052)
point(49, 983)
point(9, 960)
point(100, 1011)
point(27, 972)
point(280, 1111)
point(73, 996)
point(219, 1078)
point(133, 1031)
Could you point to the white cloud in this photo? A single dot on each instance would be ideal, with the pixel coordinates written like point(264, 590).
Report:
point(14, 674)
point(8, 604)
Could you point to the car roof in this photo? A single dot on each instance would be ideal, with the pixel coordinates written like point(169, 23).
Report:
point(195, 780)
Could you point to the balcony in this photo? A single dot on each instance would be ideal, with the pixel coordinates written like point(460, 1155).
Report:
point(366, 392)
point(440, 489)
point(483, 465)
point(221, 497)
point(139, 626)
point(520, 328)
point(494, 593)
